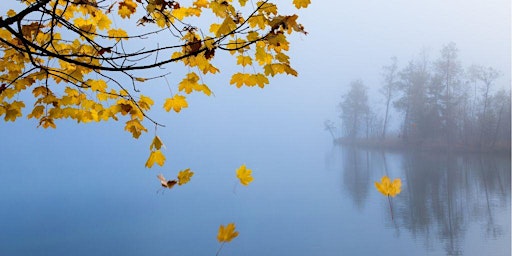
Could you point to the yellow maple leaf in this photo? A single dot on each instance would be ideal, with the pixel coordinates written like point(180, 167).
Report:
point(102, 20)
point(11, 13)
point(156, 143)
point(226, 234)
point(261, 80)
point(243, 60)
point(226, 27)
point(98, 85)
point(13, 110)
point(135, 127)
point(190, 83)
point(184, 176)
point(37, 112)
point(301, 3)
point(176, 103)
point(244, 175)
point(155, 157)
point(117, 34)
point(388, 188)
point(124, 12)
point(145, 102)
point(184, 12)
point(201, 3)
point(257, 20)
point(238, 79)
point(46, 122)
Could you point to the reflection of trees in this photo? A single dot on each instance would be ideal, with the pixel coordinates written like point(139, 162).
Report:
point(446, 193)
point(356, 174)
point(442, 194)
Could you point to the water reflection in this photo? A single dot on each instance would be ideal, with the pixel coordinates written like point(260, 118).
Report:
point(442, 196)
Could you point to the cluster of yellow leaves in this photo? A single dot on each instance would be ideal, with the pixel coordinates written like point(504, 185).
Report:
point(388, 188)
point(254, 34)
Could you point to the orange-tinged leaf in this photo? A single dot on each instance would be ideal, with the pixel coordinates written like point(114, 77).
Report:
point(155, 157)
point(166, 183)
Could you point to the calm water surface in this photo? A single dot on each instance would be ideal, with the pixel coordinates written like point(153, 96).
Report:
point(305, 200)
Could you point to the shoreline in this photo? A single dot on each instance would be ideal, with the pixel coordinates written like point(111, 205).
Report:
point(422, 146)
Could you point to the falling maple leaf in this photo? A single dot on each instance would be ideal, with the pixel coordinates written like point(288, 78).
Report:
point(155, 157)
point(226, 234)
point(184, 176)
point(244, 175)
point(166, 183)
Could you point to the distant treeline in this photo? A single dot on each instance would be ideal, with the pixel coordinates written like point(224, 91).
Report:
point(440, 104)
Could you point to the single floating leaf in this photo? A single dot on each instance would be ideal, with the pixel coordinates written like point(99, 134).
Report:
point(244, 175)
point(184, 176)
point(166, 183)
point(388, 188)
point(226, 234)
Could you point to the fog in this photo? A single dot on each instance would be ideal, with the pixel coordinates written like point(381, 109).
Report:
point(277, 131)
point(353, 40)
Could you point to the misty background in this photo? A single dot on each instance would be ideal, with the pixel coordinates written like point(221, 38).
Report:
point(278, 132)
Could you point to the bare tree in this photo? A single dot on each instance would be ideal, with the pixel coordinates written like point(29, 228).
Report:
point(388, 90)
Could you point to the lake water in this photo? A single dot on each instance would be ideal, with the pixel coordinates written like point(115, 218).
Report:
point(305, 200)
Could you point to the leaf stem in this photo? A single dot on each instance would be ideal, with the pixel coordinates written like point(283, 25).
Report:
point(390, 207)
point(220, 248)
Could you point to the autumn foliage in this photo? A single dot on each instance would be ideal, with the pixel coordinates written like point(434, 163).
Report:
point(87, 60)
